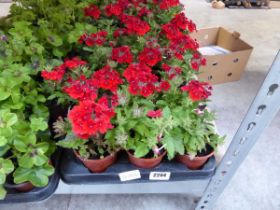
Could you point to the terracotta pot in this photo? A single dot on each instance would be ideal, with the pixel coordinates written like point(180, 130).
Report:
point(195, 163)
point(98, 165)
point(145, 162)
point(23, 187)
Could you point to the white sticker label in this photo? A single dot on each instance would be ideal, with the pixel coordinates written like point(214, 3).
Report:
point(160, 175)
point(129, 175)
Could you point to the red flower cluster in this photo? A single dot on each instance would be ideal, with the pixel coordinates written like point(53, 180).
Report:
point(120, 32)
point(92, 11)
point(197, 90)
point(179, 41)
point(55, 75)
point(166, 4)
point(81, 89)
point(181, 44)
point(141, 80)
point(58, 72)
point(144, 11)
point(135, 25)
point(171, 31)
point(150, 56)
point(181, 22)
point(171, 71)
point(113, 9)
point(94, 39)
point(107, 78)
point(197, 61)
point(96, 90)
point(164, 86)
point(90, 118)
point(74, 63)
point(154, 113)
point(122, 54)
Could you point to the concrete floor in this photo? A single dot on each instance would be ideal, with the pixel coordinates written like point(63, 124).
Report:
point(256, 185)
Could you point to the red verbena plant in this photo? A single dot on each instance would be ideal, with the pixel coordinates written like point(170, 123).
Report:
point(130, 82)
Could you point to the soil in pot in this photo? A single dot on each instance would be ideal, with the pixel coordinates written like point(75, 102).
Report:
point(149, 161)
point(198, 161)
point(97, 165)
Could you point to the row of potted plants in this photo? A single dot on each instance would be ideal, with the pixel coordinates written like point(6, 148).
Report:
point(124, 69)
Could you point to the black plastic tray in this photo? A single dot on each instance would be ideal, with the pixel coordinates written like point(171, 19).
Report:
point(72, 171)
point(37, 194)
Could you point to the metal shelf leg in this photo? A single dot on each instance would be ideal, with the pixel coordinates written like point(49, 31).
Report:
point(262, 111)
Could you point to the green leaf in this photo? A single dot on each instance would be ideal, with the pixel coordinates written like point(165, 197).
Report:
point(7, 166)
point(40, 159)
point(38, 124)
point(3, 141)
point(4, 94)
point(22, 142)
point(166, 112)
point(4, 150)
point(3, 192)
point(141, 151)
point(71, 142)
point(8, 119)
point(142, 130)
point(26, 161)
point(38, 176)
point(20, 145)
point(43, 147)
point(173, 145)
point(2, 178)
point(54, 39)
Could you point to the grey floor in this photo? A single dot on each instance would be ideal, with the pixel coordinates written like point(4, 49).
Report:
point(256, 185)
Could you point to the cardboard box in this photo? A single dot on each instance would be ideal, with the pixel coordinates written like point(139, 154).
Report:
point(227, 55)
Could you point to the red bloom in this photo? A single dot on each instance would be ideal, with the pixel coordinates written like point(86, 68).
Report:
point(197, 60)
point(164, 85)
point(90, 118)
point(203, 61)
point(135, 25)
point(181, 44)
point(141, 80)
point(166, 4)
point(195, 65)
point(191, 26)
point(81, 89)
point(94, 39)
point(107, 78)
point(113, 9)
point(92, 11)
point(74, 63)
point(133, 69)
point(150, 56)
point(144, 12)
point(56, 74)
point(171, 31)
point(120, 32)
point(171, 71)
point(122, 55)
point(180, 21)
point(154, 113)
point(197, 90)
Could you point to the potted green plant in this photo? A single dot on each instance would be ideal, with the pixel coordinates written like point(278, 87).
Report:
point(95, 152)
point(138, 129)
point(24, 148)
point(90, 112)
